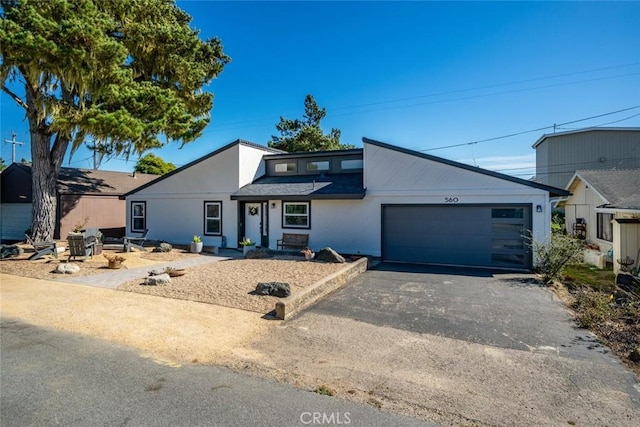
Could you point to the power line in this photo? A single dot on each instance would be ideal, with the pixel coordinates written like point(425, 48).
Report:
point(531, 130)
point(254, 123)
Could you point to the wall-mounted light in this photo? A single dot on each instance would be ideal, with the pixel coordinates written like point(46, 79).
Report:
point(273, 205)
point(538, 208)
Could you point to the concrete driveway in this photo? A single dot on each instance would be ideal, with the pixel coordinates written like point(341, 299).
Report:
point(454, 347)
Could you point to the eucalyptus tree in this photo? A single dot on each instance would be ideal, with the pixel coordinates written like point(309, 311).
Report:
point(127, 73)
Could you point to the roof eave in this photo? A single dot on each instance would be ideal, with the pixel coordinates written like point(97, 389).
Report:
point(298, 197)
point(553, 191)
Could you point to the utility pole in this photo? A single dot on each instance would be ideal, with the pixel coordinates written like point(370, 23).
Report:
point(13, 145)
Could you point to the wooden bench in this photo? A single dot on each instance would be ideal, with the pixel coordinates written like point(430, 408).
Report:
point(292, 240)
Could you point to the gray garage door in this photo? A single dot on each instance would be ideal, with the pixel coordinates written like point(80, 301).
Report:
point(471, 235)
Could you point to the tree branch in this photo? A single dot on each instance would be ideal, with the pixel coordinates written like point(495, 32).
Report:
point(15, 97)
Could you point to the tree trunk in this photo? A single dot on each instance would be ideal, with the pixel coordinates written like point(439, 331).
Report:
point(43, 184)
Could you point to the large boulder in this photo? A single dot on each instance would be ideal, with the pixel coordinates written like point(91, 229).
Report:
point(160, 279)
point(277, 289)
point(329, 255)
point(67, 268)
point(163, 247)
point(10, 251)
point(259, 253)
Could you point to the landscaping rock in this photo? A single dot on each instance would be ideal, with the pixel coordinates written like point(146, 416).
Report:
point(157, 272)
point(329, 255)
point(277, 289)
point(67, 268)
point(634, 356)
point(163, 247)
point(160, 279)
point(10, 251)
point(259, 253)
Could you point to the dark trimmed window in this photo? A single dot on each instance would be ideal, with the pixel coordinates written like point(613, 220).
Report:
point(605, 227)
point(138, 216)
point(296, 215)
point(212, 218)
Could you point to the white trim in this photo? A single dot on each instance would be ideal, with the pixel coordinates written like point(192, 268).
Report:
point(617, 210)
point(591, 129)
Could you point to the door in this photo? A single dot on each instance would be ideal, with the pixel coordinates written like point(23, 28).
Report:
point(463, 235)
point(252, 222)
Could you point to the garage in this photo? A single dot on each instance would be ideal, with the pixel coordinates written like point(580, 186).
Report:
point(489, 236)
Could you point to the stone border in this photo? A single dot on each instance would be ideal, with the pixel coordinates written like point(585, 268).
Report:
point(299, 301)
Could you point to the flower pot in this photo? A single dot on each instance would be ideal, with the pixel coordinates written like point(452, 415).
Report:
point(196, 248)
point(115, 264)
point(246, 249)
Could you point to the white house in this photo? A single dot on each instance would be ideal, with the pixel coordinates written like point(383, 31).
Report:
point(604, 209)
point(381, 200)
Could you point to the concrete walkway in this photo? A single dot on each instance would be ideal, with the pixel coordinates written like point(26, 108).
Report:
point(115, 278)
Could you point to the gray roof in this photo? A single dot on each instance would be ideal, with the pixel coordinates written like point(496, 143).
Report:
point(303, 187)
point(620, 188)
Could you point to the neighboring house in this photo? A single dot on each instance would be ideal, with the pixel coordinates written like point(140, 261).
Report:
point(560, 155)
point(604, 209)
point(380, 200)
point(91, 195)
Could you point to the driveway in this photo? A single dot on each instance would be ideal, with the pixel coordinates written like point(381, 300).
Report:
point(452, 346)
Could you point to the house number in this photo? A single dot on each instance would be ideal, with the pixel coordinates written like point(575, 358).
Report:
point(451, 200)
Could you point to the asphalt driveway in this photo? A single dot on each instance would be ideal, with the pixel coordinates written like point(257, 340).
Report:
point(480, 306)
point(452, 346)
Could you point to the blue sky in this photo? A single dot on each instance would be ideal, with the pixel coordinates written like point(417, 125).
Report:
point(420, 75)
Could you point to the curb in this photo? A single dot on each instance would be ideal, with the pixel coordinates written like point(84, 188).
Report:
point(293, 304)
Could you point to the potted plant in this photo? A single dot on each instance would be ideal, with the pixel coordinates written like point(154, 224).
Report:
point(247, 245)
point(196, 245)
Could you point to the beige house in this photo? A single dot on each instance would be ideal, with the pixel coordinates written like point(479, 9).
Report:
point(560, 155)
point(604, 209)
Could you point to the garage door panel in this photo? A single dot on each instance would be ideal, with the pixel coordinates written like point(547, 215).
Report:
point(474, 235)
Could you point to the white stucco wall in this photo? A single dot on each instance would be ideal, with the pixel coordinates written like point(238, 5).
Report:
point(175, 205)
point(15, 219)
point(391, 177)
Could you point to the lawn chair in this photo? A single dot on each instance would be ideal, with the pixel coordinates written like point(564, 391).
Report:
point(42, 248)
point(135, 242)
point(80, 246)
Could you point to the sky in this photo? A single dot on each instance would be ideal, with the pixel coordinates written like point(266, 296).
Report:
point(419, 75)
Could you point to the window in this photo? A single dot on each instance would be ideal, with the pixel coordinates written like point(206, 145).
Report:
point(138, 216)
point(285, 167)
point(318, 166)
point(605, 228)
point(351, 164)
point(213, 218)
point(296, 215)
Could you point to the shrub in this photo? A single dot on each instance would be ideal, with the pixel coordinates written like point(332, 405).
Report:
point(552, 256)
point(593, 308)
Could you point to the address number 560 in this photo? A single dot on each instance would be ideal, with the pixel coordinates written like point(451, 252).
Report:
point(451, 200)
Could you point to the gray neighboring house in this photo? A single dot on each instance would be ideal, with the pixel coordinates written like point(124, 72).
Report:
point(604, 209)
point(560, 155)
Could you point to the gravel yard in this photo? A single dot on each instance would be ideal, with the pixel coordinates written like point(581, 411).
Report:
point(228, 283)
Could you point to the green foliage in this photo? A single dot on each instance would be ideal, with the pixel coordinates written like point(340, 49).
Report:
point(247, 242)
point(552, 256)
point(122, 72)
point(557, 222)
point(154, 165)
point(3, 165)
point(593, 307)
point(590, 276)
point(197, 239)
point(305, 134)
point(324, 390)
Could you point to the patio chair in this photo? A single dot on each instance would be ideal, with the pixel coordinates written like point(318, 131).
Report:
point(79, 245)
point(135, 242)
point(42, 248)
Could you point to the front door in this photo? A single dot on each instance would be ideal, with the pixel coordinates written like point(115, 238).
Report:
point(252, 222)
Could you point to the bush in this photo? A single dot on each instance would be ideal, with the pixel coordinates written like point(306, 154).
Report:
point(552, 256)
point(593, 308)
